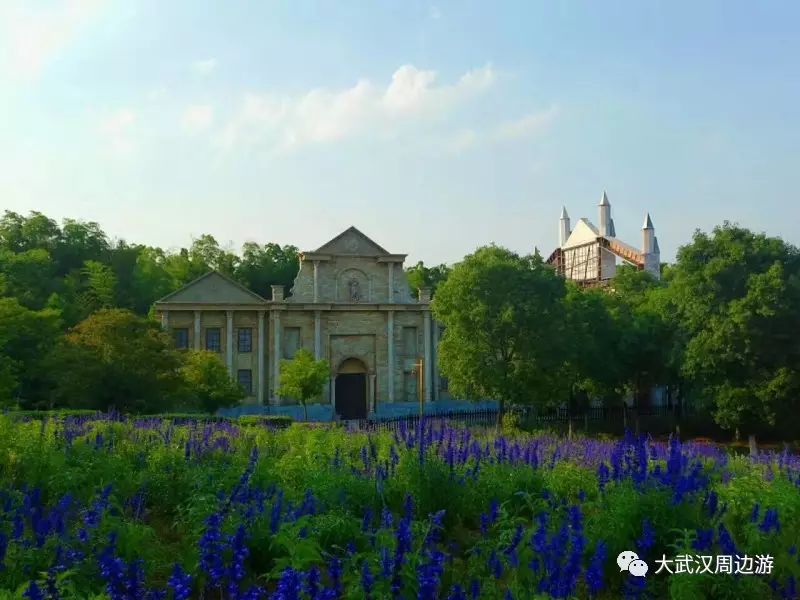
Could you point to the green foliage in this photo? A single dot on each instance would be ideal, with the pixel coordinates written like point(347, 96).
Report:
point(737, 295)
point(115, 359)
point(504, 327)
point(419, 276)
point(271, 420)
point(208, 384)
point(303, 378)
point(25, 337)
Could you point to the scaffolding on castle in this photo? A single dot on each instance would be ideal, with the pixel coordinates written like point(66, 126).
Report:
point(583, 263)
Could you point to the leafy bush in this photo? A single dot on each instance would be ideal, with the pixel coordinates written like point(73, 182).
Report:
point(274, 420)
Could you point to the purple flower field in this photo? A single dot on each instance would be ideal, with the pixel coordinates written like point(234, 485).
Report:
point(111, 507)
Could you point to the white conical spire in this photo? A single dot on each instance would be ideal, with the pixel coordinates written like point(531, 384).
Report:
point(606, 225)
point(648, 236)
point(563, 227)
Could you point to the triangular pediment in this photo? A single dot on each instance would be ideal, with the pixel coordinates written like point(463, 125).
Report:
point(353, 243)
point(583, 233)
point(213, 288)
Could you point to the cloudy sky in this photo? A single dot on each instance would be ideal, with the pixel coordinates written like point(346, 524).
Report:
point(432, 127)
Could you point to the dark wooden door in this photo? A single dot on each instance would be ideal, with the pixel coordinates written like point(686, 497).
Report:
point(351, 396)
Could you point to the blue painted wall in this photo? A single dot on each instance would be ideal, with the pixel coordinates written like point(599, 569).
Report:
point(324, 412)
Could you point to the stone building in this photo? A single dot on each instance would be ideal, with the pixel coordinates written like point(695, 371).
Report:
point(349, 304)
point(589, 254)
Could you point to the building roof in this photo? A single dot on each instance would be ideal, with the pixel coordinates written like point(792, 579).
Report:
point(352, 241)
point(247, 294)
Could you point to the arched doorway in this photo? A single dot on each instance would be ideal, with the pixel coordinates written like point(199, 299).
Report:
point(351, 390)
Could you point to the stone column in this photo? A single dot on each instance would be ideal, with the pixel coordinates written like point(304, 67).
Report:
point(435, 361)
point(333, 393)
point(391, 282)
point(316, 281)
point(317, 335)
point(261, 342)
point(390, 361)
point(427, 379)
point(165, 319)
point(276, 351)
point(229, 340)
point(373, 404)
point(197, 345)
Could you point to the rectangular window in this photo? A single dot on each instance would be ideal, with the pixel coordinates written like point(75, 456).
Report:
point(410, 341)
point(245, 379)
point(181, 338)
point(245, 339)
point(291, 341)
point(213, 339)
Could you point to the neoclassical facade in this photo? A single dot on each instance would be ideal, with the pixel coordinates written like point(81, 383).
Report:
point(350, 304)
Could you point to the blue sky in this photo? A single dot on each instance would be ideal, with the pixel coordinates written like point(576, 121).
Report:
point(432, 127)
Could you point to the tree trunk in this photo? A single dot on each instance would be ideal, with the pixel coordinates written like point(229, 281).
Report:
point(305, 412)
point(736, 435)
point(751, 440)
point(569, 427)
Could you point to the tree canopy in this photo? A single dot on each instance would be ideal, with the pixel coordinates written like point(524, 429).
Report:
point(303, 378)
point(737, 296)
point(504, 326)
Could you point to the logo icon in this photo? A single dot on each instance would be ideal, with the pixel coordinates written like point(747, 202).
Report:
point(630, 562)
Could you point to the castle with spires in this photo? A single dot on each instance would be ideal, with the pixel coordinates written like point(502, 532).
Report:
point(588, 254)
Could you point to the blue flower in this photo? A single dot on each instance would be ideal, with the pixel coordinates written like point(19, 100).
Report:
point(33, 592)
point(288, 585)
point(644, 543)
point(770, 522)
point(704, 539)
point(367, 580)
point(181, 583)
point(594, 572)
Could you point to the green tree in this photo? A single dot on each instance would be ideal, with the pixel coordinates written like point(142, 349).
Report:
point(592, 366)
point(645, 331)
point(303, 378)
point(737, 297)
point(264, 266)
point(25, 337)
point(28, 275)
point(208, 385)
point(116, 359)
point(420, 276)
point(99, 286)
point(504, 328)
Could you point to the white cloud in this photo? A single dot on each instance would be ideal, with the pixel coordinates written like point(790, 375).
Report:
point(117, 128)
point(323, 115)
point(205, 66)
point(198, 117)
point(527, 126)
point(31, 38)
